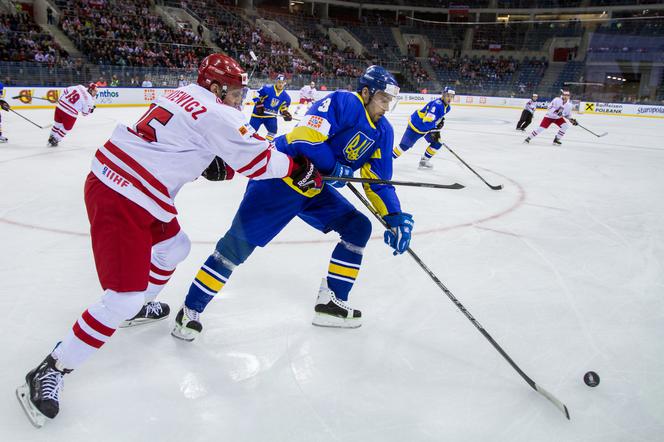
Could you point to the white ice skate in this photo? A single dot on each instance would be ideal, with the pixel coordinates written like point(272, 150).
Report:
point(331, 311)
point(3, 139)
point(425, 164)
point(187, 324)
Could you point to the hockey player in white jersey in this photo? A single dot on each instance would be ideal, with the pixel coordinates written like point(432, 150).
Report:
point(129, 196)
point(559, 109)
point(74, 101)
point(306, 96)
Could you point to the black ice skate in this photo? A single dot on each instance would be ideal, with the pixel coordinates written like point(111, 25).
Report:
point(3, 139)
point(187, 324)
point(151, 312)
point(557, 141)
point(52, 141)
point(40, 395)
point(331, 311)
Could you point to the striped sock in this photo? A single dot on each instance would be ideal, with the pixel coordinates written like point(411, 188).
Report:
point(157, 280)
point(430, 152)
point(343, 269)
point(209, 280)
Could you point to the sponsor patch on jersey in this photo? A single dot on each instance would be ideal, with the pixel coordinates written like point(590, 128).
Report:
point(317, 123)
point(243, 130)
point(357, 146)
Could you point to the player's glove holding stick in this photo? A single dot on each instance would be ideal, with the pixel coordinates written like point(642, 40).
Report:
point(287, 115)
point(305, 176)
point(4, 105)
point(259, 109)
point(401, 228)
point(574, 122)
point(341, 171)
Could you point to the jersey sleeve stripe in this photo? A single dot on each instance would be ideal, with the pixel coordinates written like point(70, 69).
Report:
point(103, 159)
point(136, 167)
point(265, 154)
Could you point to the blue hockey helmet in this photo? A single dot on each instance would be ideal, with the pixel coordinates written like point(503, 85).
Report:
point(377, 78)
point(448, 90)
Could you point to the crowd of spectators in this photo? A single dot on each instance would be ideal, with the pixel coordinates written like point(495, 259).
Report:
point(128, 33)
point(21, 39)
point(476, 72)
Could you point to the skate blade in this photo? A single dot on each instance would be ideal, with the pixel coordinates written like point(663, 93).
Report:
point(34, 416)
point(140, 321)
point(425, 167)
point(321, 320)
point(188, 337)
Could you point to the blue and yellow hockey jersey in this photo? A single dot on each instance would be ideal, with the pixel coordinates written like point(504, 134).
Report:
point(338, 128)
point(274, 101)
point(427, 118)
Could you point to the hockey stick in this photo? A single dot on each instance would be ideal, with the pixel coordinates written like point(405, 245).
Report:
point(30, 121)
point(32, 98)
point(498, 187)
point(562, 407)
point(394, 183)
point(588, 130)
point(279, 115)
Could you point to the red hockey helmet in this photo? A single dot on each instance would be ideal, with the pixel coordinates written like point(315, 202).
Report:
point(222, 69)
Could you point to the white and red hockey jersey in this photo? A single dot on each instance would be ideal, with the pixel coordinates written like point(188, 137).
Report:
point(531, 106)
point(174, 141)
point(307, 92)
point(558, 109)
point(76, 100)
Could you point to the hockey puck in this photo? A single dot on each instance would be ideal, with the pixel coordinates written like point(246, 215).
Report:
point(591, 379)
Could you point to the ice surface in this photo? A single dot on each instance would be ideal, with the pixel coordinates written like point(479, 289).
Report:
point(563, 267)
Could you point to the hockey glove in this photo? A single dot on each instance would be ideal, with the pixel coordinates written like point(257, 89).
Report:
point(93, 109)
point(259, 109)
point(434, 136)
point(441, 123)
point(305, 176)
point(4, 105)
point(218, 170)
point(401, 227)
point(341, 171)
point(574, 122)
point(287, 115)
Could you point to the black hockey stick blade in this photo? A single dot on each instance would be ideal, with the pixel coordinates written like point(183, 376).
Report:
point(491, 186)
point(454, 186)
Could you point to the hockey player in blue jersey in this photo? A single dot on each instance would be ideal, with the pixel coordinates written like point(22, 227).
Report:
point(343, 132)
point(268, 104)
point(4, 106)
point(426, 122)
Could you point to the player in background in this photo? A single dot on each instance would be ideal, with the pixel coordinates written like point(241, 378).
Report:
point(343, 132)
point(559, 109)
point(5, 107)
point(74, 101)
point(271, 101)
point(527, 113)
point(427, 122)
point(129, 195)
point(306, 96)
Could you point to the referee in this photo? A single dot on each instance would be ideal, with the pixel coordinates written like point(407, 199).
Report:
point(527, 114)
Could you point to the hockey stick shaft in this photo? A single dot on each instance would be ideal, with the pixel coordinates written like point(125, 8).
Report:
point(27, 119)
point(32, 98)
point(279, 115)
point(588, 130)
point(562, 407)
point(394, 183)
point(498, 187)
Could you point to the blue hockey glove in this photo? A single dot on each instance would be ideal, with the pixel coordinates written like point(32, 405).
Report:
point(401, 227)
point(341, 171)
